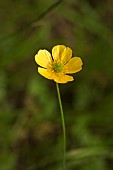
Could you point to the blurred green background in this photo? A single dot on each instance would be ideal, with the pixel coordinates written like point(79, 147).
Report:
point(30, 122)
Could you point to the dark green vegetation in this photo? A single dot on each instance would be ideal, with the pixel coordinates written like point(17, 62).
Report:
point(30, 122)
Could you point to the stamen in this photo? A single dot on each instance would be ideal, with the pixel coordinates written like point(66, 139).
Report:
point(58, 67)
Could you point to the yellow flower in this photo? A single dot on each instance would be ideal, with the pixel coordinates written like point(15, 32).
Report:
point(56, 67)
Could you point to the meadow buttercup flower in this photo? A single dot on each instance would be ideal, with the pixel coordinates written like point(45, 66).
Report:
point(56, 67)
point(59, 64)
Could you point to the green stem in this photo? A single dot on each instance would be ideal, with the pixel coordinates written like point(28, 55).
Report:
point(63, 126)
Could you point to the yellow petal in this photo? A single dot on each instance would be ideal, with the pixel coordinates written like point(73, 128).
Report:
point(59, 78)
point(62, 53)
point(43, 58)
point(44, 72)
point(74, 65)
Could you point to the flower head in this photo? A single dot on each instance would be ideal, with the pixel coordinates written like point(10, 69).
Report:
point(56, 67)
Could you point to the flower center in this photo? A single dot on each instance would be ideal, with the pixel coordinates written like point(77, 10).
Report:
point(58, 67)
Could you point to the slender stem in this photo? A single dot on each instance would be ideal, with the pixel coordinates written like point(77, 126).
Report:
point(63, 126)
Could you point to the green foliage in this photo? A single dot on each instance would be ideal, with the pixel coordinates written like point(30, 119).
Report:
point(30, 122)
